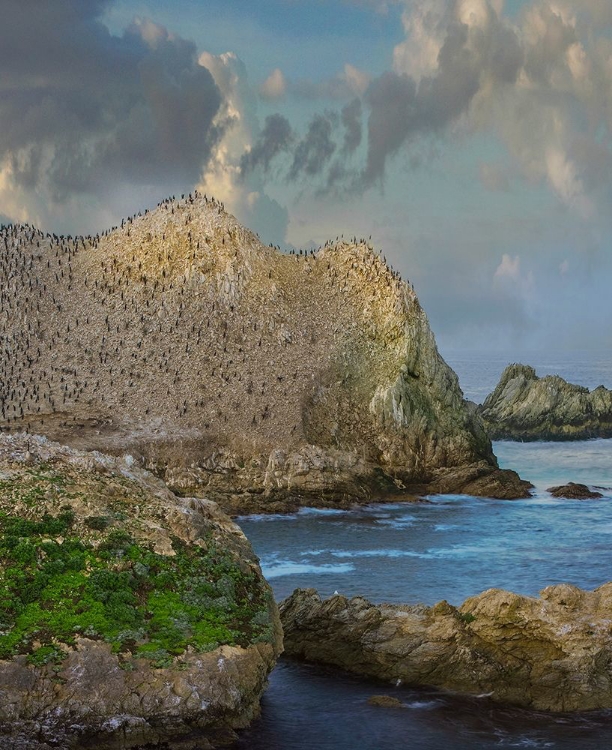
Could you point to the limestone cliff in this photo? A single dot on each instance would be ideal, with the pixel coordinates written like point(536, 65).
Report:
point(128, 616)
point(526, 407)
point(259, 378)
point(553, 653)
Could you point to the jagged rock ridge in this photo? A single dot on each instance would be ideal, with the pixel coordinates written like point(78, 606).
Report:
point(233, 369)
point(552, 653)
point(526, 407)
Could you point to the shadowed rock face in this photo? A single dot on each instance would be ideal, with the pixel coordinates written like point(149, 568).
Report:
point(526, 407)
point(553, 653)
point(573, 491)
point(260, 379)
point(129, 616)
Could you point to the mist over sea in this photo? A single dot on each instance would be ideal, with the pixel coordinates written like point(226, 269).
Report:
point(451, 547)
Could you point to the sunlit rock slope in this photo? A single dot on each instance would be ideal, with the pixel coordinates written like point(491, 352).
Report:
point(259, 378)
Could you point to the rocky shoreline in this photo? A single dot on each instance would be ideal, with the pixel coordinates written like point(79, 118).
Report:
point(550, 654)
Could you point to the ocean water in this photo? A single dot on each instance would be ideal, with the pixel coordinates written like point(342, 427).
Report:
point(449, 547)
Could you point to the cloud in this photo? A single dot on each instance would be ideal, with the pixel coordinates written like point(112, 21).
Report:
point(83, 111)
point(244, 153)
point(565, 181)
point(351, 119)
point(274, 87)
point(508, 277)
point(494, 177)
point(350, 82)
point(509, 268)
point(540, 82)
point(401, 109)
point(379, 6)
point(276, 137)
point(315, 149)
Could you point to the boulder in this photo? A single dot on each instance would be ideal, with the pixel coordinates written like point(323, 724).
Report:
point(573, 491)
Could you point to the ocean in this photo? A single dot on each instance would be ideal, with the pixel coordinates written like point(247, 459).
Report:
point(450, 548)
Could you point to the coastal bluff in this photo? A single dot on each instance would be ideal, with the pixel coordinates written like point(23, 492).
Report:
point(260, 379)
point(526, 407)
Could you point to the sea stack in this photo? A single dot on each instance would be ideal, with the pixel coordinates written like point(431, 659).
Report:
point(259, 378)
point(525, 407)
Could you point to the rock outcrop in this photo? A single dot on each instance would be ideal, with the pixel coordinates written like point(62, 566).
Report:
point(553, 653)
point(253, 377)
point(574, 491)
point(526, 407)
point(128, 616)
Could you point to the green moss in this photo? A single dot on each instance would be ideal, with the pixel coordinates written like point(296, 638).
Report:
point(54, 587)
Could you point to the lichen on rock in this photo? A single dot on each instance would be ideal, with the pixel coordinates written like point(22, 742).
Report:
point(126, 613)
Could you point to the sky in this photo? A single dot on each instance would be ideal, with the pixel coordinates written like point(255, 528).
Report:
point(471, 139)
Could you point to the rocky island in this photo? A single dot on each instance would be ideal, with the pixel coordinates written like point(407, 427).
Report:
point(129, 616)
point(260, 379)
point(552, 653)
point(526, 407)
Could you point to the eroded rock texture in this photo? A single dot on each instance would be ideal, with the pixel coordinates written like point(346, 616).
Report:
point(553, 653)
point(526, 407)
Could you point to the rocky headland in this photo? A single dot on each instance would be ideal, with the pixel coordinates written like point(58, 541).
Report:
point(128, 616)
point(260, 379)
point(553, 653)
point(526, 407)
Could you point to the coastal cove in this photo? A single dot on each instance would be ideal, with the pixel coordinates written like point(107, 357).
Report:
point(450, 547)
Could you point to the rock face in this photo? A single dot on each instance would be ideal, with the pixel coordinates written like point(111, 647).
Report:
point(573, 491)
point(259, 379)
point(553, 653)
point(526, 407)
point(129, 616)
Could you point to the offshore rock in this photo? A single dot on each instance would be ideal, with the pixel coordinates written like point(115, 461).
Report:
point(526, 407)
point(259, 379)
point(129, 616)
point(553, 653)
point(573, 491)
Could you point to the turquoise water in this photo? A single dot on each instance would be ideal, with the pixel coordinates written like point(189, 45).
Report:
point(449, 547)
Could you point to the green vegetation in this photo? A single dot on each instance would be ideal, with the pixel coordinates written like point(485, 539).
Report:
point(57, 584)
point(467, 617)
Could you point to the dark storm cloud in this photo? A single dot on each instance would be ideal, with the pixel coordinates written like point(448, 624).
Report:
point(83, 109)
point(314, 150)
point(400, 109)
point(276, 136)
point(351, 119)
